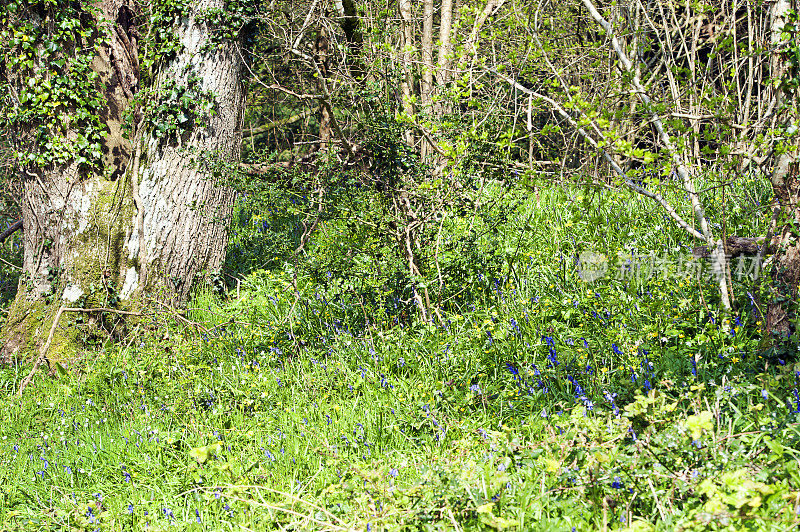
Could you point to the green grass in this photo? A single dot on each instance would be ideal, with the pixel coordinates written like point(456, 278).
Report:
point(541, 402)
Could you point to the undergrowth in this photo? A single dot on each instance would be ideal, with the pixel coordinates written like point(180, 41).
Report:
point(547, 397)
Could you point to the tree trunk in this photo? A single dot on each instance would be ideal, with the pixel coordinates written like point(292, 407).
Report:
point(147, 218)
point(445, 29)
point(406, 56)
point(781, 308)
point(351, 25)
point(322, 57)
point(426, 87)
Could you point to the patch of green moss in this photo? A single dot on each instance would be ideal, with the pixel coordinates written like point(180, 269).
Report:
point(28, 326)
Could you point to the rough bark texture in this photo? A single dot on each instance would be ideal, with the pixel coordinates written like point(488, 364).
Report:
point(74, 224)
point(183, 229)
point(153, 218)
point(781, 311)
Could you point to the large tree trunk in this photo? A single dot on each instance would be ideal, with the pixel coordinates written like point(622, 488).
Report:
point(185, 209)
point(146, 219)
point(781, 308)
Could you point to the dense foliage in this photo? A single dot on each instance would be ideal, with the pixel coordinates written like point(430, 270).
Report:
point(463, 290)
point(542, 401)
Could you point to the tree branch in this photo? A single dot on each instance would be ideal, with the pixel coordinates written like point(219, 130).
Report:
point(619, 171)
point(13, 228)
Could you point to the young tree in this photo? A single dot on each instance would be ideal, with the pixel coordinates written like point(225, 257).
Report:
point(123, 113)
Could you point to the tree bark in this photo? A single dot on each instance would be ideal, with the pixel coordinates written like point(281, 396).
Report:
point(322, 57)
point(426, 87)
point(151, 216)
point(406, 56)
point(351, 25)
point(184, 210)
point(445, 30)
point(781, 308)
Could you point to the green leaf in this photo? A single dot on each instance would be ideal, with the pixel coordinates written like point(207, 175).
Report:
point(200, 454)
point(698, 423)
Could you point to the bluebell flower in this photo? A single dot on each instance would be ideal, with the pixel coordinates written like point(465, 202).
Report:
point(797, 400)
point(617, 484)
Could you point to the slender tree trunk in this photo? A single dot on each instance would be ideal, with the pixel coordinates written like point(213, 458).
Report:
point(426, 87)
point(781, 308)
point(406, 56)
point(153, 216)
point(351, 25)
point(322, 57)
point(445, 30)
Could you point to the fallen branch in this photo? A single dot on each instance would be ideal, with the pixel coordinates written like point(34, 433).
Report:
point(261, 169)
point(736, 246)
point(260, 130)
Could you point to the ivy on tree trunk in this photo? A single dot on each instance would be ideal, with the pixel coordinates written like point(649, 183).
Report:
point(123, 194)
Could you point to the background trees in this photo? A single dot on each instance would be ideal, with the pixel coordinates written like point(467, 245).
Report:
point(664, 99)
point(412, 129)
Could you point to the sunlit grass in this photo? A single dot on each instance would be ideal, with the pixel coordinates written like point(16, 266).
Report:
point(541, 401)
